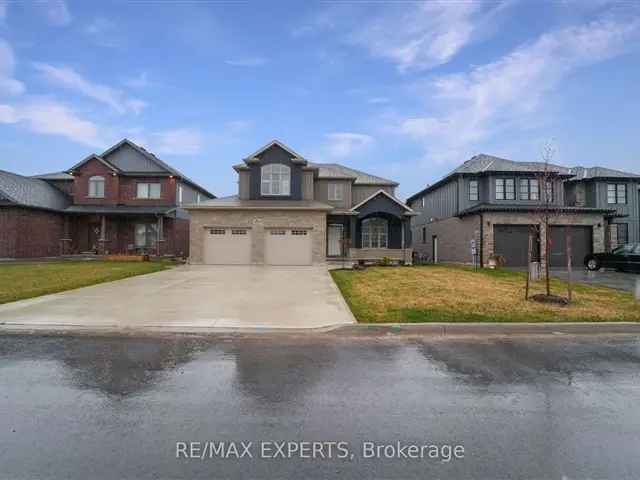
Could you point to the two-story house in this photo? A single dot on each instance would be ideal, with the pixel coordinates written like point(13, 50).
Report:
point(290, 211)
point(124, 200)
point(488, 207)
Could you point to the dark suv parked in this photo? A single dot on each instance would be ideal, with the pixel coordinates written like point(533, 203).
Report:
point(625, 257)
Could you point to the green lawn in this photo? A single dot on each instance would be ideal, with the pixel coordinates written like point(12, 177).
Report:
point(451, 293)
point(26, 280)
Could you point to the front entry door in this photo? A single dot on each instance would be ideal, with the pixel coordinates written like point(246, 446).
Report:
point(94, 236)
point(334, 244)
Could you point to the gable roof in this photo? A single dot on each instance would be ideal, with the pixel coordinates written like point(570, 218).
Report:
point(409, 210)
point(275, 143)
point(31, 192)
point(337, 171)
point(585, 173)
point(151, 164)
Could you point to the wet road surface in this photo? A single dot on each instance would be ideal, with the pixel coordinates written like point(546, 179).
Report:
point(526, 407)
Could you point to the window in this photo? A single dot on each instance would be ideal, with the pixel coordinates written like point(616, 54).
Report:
point(336, 191)
point(146, 234)
point(298, 232)
point(499, 188)
point(238, 231)
point(217, 231)
point(198, 198)
point(529, 189)
point(548, 191)
point(473, 190)
point(375, 233)
point(96, 187)
point(623, 233)
point(422, 202)
point(277, 232)
point(276, 179)
point(616, 193)
point(148, 190)
point(180, 194)
point(424, 234)
point(510, 189)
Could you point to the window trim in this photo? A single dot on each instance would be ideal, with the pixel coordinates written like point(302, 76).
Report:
point(526, 190)
point(332, 189)
point(371, 235)
point(96, 180)
point(270, 182)
point(617, 196)
point(476, 185)
point(505, 192)
point(148, 188)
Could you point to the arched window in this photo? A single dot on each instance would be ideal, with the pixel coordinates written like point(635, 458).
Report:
point(96, 187)
point(375, 233)
point(275, 179)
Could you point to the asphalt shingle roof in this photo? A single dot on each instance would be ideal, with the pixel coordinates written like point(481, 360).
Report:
point(489, 163)
point(31, 192)
point(54, 176)
point(582, 173)
point(335, 170)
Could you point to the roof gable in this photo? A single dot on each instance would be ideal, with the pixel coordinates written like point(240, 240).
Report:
point(128, 157)
point(91, 157)
point(408, 210)
point(337, 171)
point(295, 157)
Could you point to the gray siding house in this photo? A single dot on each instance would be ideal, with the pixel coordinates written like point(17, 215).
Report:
point(488, 206)
point(291, 211)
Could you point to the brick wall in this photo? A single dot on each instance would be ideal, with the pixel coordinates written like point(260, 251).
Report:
point(29, 233)
point(454, 239)
point(129, 191)
point(81, 184)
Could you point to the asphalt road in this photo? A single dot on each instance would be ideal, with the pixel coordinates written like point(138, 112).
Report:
point(554, 407)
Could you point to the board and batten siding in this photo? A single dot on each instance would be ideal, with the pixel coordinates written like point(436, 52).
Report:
point(307, 185)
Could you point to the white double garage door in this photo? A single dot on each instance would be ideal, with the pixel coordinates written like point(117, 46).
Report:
point(236, 246)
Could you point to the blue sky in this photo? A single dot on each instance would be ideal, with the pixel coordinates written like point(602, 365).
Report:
point(405, 90)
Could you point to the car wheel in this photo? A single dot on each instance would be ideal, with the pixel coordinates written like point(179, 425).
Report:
point(593, 264)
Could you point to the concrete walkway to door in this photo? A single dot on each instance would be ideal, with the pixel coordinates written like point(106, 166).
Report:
point(192, 299)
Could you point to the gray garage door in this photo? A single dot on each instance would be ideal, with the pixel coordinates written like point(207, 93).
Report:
point(512, 243)
point(581, 245)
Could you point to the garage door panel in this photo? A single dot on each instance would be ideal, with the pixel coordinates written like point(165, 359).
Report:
point(512, 243)
point(581, 245)
point(288, 246)
point(227, 246)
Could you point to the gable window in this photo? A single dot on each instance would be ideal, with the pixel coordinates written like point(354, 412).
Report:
point(616, 193)
point(336, 191)
point(473, 190)
point(275, 179)
point(375, 232)
point(96, 187)
point(529, 189)
point(146, 235)
point(148, 190)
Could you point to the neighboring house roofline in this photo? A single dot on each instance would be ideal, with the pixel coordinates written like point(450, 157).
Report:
point(30, 192)
point(57, 176)
point(488, 207)
point(296, 156)
point(93, 156)
point(409, 210)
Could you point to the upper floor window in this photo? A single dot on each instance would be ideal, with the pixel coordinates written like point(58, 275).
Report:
point(473, 190)
point(505, 189)
point(96, 187)
point(616, 193)
point(148, 190)
point(276, 179)
point(422, 202)
point(180, 194)
point(336, 191)
point(529, 189)
point(548, 191)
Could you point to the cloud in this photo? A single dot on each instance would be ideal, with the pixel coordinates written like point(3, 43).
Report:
point(181, 141)
point(344, 144)
point(55, 12)
point(247, 62)
point(413, 35)
point(52, 118)
point(69, 78)
point(8, 84)
point(489, 98)
point(139, 81)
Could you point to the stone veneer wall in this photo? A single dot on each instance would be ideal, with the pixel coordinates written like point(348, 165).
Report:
point(257, 220)
point(506, 218)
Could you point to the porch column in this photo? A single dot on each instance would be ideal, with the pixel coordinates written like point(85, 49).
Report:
point(160, 235)
point(103, 234)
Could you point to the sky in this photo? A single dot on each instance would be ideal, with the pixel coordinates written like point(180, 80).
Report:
point(404, 90)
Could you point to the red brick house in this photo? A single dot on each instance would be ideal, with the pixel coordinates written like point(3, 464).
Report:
point(124, 200)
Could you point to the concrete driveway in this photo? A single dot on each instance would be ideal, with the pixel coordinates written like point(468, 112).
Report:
point(607, 278)
point(192, 299)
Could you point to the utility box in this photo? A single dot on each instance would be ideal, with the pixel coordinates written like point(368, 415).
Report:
point(534, 271)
